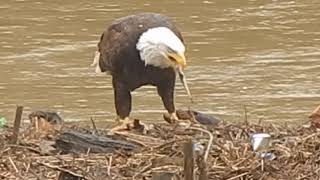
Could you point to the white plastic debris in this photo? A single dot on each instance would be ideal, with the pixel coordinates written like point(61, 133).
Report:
point(198, 148)
point(260, 141)
point(268, 156)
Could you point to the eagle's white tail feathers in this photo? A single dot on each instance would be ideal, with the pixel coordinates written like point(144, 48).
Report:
point(96, 62)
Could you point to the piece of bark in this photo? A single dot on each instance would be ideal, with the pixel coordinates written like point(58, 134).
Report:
point(77, 142)
point(17, 123)
point(188, 160)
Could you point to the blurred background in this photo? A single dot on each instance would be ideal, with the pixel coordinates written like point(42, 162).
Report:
point(262, 54)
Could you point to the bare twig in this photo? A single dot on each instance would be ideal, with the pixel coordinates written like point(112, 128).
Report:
point(148, 166)
point(94, 125)
point(109, 166)
point(13, 165)
point(245, 115)
point(209, 143)
point(238, 176)
point(139, 138)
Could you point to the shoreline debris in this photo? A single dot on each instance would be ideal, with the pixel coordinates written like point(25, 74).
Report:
point(315, 117)
point(226, 153)
point(261, 141)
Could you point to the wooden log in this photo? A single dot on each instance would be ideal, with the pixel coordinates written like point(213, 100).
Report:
point(16, 126)
point(72, 141)
point(188, 160)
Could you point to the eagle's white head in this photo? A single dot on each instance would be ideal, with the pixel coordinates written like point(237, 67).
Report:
point(160, 47)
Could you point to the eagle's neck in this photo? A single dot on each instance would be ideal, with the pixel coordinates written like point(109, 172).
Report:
point(154, 45)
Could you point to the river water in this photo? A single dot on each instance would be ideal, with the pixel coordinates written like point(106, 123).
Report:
point(262, 54)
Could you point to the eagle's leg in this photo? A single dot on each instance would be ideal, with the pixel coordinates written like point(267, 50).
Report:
point(167, 95)
point(122, 97)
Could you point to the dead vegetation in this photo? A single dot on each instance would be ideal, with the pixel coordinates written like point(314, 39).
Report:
point(222, 151)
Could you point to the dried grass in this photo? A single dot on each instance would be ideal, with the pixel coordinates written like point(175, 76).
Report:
point(229, 157)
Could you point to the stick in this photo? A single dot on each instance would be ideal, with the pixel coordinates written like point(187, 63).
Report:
point(184, 83)
point(188, 160)
point(27, 168)
point(149, 166)
point(109, 166)
point(94, 125)
point(238, 176)
point(36, 119)
point(209, 143)
point(139, 138)
point(166, 167)
point(16, 125)
point(13, 165)
point(245, 115)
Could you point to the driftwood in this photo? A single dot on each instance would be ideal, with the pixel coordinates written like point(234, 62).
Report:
point(188, 160)
point(73, 141)
point(16, 126)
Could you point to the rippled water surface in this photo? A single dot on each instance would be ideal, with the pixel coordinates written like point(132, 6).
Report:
point(261, 54)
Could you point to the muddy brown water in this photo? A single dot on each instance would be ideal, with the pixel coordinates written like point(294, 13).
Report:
point(261, 54)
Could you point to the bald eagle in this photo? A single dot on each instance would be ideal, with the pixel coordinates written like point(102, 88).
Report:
point(142, 49)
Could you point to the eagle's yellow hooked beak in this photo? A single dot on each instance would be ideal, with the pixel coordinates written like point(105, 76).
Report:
point(178, 58)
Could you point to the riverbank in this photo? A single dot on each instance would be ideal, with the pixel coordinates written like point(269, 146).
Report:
point(220, 151)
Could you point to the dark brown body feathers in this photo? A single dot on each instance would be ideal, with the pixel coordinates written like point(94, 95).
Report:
point(119, 56)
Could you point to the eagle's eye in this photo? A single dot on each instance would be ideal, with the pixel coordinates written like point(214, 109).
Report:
point(172, 59)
